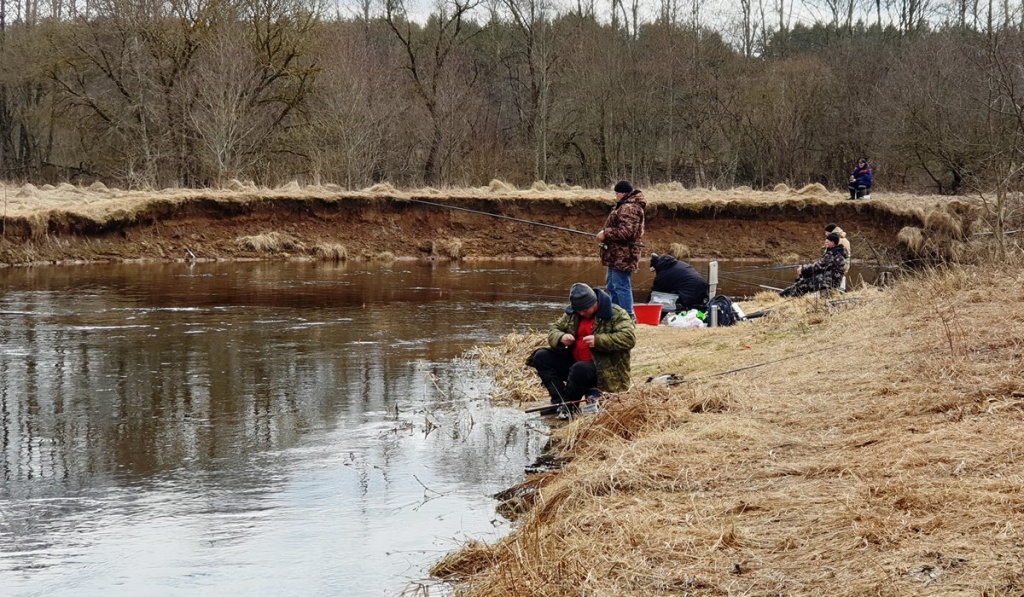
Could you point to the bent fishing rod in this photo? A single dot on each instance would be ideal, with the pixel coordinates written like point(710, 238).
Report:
point(503, 217)
point(520, 220)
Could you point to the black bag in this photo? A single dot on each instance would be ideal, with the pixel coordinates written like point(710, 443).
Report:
point(726, 315)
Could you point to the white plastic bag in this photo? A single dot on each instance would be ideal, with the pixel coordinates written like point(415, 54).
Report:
point(686, 320)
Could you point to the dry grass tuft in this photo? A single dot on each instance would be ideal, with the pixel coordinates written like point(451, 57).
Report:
point(940, 223)
point(506, 360)
point(447, 248)
point(385, 256)
point(781, 188)
point(911, 239)
point(66, 187)
point(39, 224)
point(669, 187)
point(269, 243)
point(473, 558)
point(235, 185)
point(785, 258)
point(500, 186)
point(27, 190)
point(98, 187)
point(539, 185)
point(329, 252)
point(815, 188)
point(381, 188)
point(680, 251)
point(290, 187)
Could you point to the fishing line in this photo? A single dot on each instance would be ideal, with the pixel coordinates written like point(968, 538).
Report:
point(503, 217)
point(762, 269)
point(748, 277)
point(738, 281)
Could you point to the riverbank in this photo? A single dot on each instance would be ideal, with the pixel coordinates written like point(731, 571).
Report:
point(863, 446)
point(68, 224)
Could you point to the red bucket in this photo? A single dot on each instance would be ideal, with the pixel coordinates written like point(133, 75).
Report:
point(648, 314)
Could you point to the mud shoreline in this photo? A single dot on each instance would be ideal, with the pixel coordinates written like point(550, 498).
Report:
point(227, 225)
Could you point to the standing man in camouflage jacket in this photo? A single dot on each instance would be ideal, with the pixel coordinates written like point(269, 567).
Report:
point(824, 274)
point(620, 244)
point(589, 349)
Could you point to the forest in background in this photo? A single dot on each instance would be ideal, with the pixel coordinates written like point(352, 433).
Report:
point(195, 93)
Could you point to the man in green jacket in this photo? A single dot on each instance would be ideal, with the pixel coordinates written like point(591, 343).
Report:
point(589, 349)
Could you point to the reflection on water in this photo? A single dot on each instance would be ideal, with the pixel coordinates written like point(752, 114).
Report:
point(267, 428)
point(271, 429)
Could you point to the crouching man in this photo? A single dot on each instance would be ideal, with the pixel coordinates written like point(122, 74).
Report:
point(589, 349)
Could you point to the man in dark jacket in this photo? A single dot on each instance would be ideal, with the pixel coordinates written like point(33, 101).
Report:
point(589, 349)
point(860, 180)
point(824, 274)
point(679, 278)
point(620, 244)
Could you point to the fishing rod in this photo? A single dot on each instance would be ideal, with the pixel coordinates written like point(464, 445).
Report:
point(764, 279)
point(738, 281)
point(603, 396)
point(503, 217)
point(762, 269)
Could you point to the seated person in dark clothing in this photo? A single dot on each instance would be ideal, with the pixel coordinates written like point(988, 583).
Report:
point(681, 279)
point(588, 349)
point(860, 180)
point(824, 274)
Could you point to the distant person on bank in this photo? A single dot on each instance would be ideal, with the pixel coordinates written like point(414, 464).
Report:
point(620, 244)
point(846, 245)
point(589, 349)
point(823, 275)
point(860, 180)
point(681, 279)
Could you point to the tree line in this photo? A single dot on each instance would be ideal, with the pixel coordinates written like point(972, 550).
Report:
point(199, 92)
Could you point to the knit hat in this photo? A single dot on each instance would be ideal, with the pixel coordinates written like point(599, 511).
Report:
point(623, 187)
point(832, 236)
point(830, 227)
point(581, 297)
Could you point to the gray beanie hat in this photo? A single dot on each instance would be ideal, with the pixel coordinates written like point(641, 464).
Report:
point(581, 297)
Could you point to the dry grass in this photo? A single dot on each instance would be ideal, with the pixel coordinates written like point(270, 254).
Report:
point(868, 446)
point(680, 251)
point(269, 243)
point(500, 186)
point(329, 252)
point(446, 248)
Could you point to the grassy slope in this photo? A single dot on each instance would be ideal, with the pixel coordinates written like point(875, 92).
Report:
point(877, 452)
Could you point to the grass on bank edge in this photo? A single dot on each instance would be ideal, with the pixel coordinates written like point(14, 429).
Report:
point(876, 453)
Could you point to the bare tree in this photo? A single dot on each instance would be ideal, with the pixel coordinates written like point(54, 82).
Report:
point(430, 52)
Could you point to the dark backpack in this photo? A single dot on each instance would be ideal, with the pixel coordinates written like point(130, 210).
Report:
point(726, 316)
